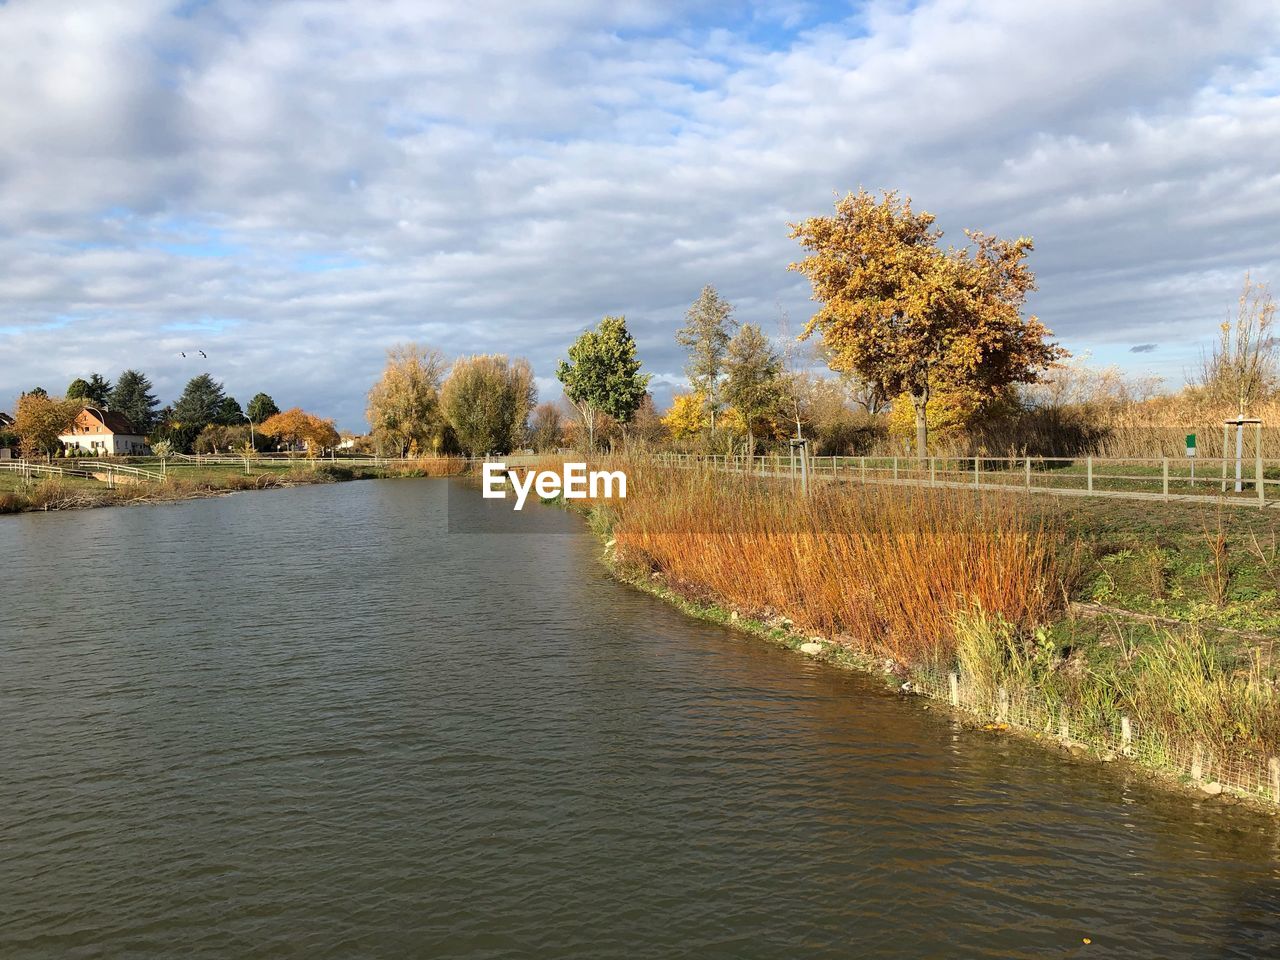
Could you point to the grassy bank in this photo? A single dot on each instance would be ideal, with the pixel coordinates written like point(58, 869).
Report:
point(1145, 629)
point(186, 481)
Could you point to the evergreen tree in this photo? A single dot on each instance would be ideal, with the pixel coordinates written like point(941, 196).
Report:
point(261, 408)
point(200, 403)
point(133, 398)
point(229, 413)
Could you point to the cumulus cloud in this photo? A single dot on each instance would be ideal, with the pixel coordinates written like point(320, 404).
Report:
point(293, 187)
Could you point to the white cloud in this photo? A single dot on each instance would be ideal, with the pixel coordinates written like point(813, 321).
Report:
point(322, 179)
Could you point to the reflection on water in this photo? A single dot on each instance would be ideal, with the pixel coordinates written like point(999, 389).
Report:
point(314, 723)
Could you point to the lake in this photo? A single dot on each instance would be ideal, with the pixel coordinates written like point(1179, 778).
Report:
point(325, 722)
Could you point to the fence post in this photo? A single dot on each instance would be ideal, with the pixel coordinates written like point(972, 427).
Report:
point(1088, 466)
point(1126, 737)
point(1260, 481)
point(1004, 705)
point(864, 469)
point(977, 470)
point(1028, 473)
point(1197, 761)
point(1064, 729)
point(954, 681)
point(933, 470)
point(895, 469)
point(1273, 767)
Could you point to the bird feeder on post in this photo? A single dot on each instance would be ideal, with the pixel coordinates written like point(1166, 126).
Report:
point(1239, 423)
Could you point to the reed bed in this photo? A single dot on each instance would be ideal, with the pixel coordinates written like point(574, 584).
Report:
point(883, 570)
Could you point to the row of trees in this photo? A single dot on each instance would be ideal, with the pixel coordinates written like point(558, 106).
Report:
point(479, 407)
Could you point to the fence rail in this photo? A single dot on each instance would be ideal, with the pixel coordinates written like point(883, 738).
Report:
point(1253, 482)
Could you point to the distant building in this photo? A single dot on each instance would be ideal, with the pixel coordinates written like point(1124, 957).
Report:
point(6, 425)
point(104, 433)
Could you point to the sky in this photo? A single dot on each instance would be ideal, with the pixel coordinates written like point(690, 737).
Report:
point(294, 187)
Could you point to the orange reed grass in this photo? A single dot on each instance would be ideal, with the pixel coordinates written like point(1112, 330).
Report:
point(884, 569)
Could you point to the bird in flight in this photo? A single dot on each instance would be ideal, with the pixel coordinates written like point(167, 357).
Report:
point(183, 354)
point(203, 354)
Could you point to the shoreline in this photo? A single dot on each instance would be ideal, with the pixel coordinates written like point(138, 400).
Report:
point(55, 494)
point(1022, 712)
point(840, 656)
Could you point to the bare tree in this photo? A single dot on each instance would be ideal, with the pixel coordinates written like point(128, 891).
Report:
point(1244, 365)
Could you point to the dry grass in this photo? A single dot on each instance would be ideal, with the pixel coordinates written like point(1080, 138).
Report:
point(883, 569)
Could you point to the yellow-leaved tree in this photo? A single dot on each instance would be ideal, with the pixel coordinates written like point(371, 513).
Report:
point(296, 426)
point(39, 420)
point(912, 318)
point(687, 416)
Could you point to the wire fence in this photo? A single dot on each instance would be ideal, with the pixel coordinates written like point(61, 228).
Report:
point(1253, 776)
point(1253, 481)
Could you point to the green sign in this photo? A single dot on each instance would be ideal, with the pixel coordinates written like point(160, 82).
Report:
point(1191, 444)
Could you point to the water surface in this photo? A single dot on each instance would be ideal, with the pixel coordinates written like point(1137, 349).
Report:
point(314, 723)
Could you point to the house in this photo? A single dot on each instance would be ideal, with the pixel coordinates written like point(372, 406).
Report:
point(102, 433)
point(7, 450)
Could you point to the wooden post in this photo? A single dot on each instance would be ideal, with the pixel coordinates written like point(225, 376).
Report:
point(1166, 477)
point(933, 470)
point(864, 469)
point(895, 469)
point(1225, 428)
point(1028, 473)
point(1197, 762)
point(1004, 705)
point(1260, 481)
point(1064, 730)
point(1273, 768)
point(1088, 467)
point(977, 470)
point(954, 681)
point(1126, 736)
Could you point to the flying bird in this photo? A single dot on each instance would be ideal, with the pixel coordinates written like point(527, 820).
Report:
point(203, 354)
point(183, 354)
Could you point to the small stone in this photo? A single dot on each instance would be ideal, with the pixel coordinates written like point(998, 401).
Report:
point(1077, 749)
point(811, 648)
point(733, 615)
point(1212, 788)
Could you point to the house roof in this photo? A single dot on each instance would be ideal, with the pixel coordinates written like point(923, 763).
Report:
point(5, 419)
point(115, 422)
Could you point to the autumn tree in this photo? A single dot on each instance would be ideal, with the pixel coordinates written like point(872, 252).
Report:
point(40, 419)
point(602, 375)
point(708, 326)
point(486, 400)
point(133, 398)
point(753, 385)
point(687, 416)
point(295, 426)
point(546, 428)
point(404, 405)
point(901, 312)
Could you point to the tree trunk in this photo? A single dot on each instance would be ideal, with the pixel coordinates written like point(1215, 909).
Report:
point(920, 402)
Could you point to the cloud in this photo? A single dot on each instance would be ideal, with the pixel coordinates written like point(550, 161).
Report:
point(1143, 348)
point(294, 187)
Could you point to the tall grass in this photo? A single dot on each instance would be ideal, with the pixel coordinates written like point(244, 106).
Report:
point(1178, 688)
point(884, 569)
